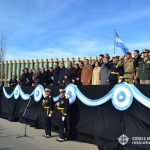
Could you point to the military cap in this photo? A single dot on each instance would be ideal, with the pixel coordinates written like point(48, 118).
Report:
point(115, 57)
point(47, 90)
point(145, 51)
point(121, 57)
point(61, 90)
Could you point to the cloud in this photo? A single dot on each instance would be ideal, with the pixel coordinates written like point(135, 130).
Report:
point(74, 47)
point(38, 54)
point(67, 28)
point(139, 45)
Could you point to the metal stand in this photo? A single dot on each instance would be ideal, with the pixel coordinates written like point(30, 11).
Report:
point(26, 112)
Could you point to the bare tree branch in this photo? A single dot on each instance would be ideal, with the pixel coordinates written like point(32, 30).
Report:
point(2, 58)
point(2, 48)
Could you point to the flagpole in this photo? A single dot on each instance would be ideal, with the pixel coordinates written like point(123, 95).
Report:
point(114, 42)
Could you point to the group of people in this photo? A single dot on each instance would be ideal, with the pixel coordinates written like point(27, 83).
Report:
point(105, 70)
point(123, 69)
point(62, 108)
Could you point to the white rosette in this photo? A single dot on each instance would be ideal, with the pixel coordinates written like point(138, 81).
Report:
point(17, 92)
point(122, 97)
point(38, 93)
point(71, 93)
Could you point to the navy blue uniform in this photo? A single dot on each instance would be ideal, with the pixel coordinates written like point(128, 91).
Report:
point(116, 72)
point(63, 108)
point(48, 106)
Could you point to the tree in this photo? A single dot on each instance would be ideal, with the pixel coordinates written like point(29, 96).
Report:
point(2, 57)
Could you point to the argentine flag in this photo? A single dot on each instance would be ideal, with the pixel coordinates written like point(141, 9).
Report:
point(121, 45)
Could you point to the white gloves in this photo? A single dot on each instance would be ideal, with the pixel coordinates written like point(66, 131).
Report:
point(63, 118)
point(119, 81)
point(49, 115)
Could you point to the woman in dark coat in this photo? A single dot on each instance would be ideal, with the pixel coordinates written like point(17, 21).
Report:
point(56, 75)
point(76, 75)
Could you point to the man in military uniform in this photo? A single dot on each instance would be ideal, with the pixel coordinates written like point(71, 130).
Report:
point(137, 58)
point(144, 68)
point(48, 106)
point(62, 107)
point(116, 71)
point(129, 70)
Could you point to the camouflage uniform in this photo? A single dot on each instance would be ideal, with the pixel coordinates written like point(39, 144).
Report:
point(129, 71)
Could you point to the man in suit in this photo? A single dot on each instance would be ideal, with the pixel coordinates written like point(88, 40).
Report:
point(43, 76)
point(137, 59)
point(56, 74)
point(37, 76)
point(105, 71)
point(68, 73)
point(61, 74)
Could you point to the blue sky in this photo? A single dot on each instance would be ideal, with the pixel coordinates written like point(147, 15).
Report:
point(71, 28)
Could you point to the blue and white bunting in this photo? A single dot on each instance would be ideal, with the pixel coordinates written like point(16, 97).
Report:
point(121, 96)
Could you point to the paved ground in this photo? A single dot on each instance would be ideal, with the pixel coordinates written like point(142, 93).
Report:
point(10, 130)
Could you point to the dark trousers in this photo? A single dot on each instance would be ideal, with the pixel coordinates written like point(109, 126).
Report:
point(61, 83)
point(113, 79)
point(47, 125)
point(62, 128)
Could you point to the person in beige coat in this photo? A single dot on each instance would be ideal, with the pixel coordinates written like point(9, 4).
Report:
point(86, 73)
point(96, 74)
